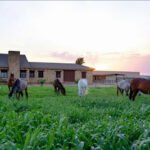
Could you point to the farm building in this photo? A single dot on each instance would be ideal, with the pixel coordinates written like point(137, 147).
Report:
point(111, 77)
point(33, 72)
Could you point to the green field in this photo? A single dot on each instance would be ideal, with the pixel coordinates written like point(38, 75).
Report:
point(100, 120)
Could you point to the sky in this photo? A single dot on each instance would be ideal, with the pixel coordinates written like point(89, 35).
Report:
point(110, 35)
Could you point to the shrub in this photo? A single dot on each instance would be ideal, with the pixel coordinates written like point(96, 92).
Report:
point(42, 81)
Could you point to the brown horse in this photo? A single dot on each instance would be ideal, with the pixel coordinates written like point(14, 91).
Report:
point(11, 81)
point(139, 84)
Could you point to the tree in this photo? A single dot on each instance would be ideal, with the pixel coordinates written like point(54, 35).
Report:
point(80, 61)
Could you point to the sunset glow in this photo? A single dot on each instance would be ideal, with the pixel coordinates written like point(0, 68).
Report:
point(102, 67)
point(111, 35)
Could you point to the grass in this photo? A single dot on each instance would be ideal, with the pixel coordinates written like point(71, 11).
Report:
point(98, 121)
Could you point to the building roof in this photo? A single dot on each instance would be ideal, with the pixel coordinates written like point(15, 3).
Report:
point(113, 72)
point(24, 62)
point(42, 65)
point(59, 66)
point(4, 61)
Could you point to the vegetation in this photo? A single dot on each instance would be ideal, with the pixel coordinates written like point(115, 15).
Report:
point(42, 81)
point(80, 61)
point(101, 120)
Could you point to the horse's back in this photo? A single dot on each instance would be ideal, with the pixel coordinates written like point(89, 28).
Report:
point(144, 86)
point(82, 83)
point(82, 87)
point(140, 84)
point(23, 84)
point(123, 84)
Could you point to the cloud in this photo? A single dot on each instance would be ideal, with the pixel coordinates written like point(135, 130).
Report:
point(116, 61)
point(138, 63)
point(64, 56)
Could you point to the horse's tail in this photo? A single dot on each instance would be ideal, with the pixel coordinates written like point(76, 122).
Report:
point(26, 92)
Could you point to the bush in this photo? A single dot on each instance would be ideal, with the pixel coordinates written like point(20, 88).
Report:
point(42, 81)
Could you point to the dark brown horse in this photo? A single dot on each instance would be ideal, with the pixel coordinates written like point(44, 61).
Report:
point(11, 81)
point(58, 87)
point(139, 84)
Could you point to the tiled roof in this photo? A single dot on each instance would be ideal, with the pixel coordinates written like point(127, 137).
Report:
point(24, 62)
point(4, 61)
point(41, 65)
point(64, 66)
point(111, 73)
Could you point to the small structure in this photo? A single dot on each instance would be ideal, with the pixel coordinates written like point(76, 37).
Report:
point(111, 77)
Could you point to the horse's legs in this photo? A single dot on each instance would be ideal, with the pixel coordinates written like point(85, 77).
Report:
point(121, 91)
point(117, 90)
point(9, 88)
point(130, 94)
point(21, 93)
point(26, 92)
point(55, 88)
point(134, 94)
point(18, 95)
point(127, 92)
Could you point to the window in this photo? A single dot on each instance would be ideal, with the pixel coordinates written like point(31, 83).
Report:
point(83, 74)
point(40, 74)
point(4, 73)
point(23, 73)
point(58, 74)
point(32, 73)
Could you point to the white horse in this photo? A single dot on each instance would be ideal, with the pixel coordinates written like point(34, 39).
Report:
point(82, 87)
point(123, 85)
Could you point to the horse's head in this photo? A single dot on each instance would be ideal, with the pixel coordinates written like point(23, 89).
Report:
point(15, 88)
point(63, 91)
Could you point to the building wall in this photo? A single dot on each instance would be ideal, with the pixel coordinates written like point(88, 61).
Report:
point(77, 75)
point(14, 63)
point(89, 76)
point(50, 76)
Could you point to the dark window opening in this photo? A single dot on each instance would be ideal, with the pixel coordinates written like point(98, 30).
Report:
point(58, 74)
point(83, 74)
point(23, 74)
point(40, 74)
point(4, 73)
point(32, 74)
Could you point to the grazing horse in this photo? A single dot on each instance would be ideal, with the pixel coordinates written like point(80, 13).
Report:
point(58, 87)
point(11, 81)
point(18, 87)
point(123, 86)
point(139, 84)
point(82, 87)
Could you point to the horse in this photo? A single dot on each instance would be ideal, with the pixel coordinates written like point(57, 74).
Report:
point(11, 81)
point(18, 87)
point(82, 87)
point(58, 87)
point(139, 84)
point(123, 86)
